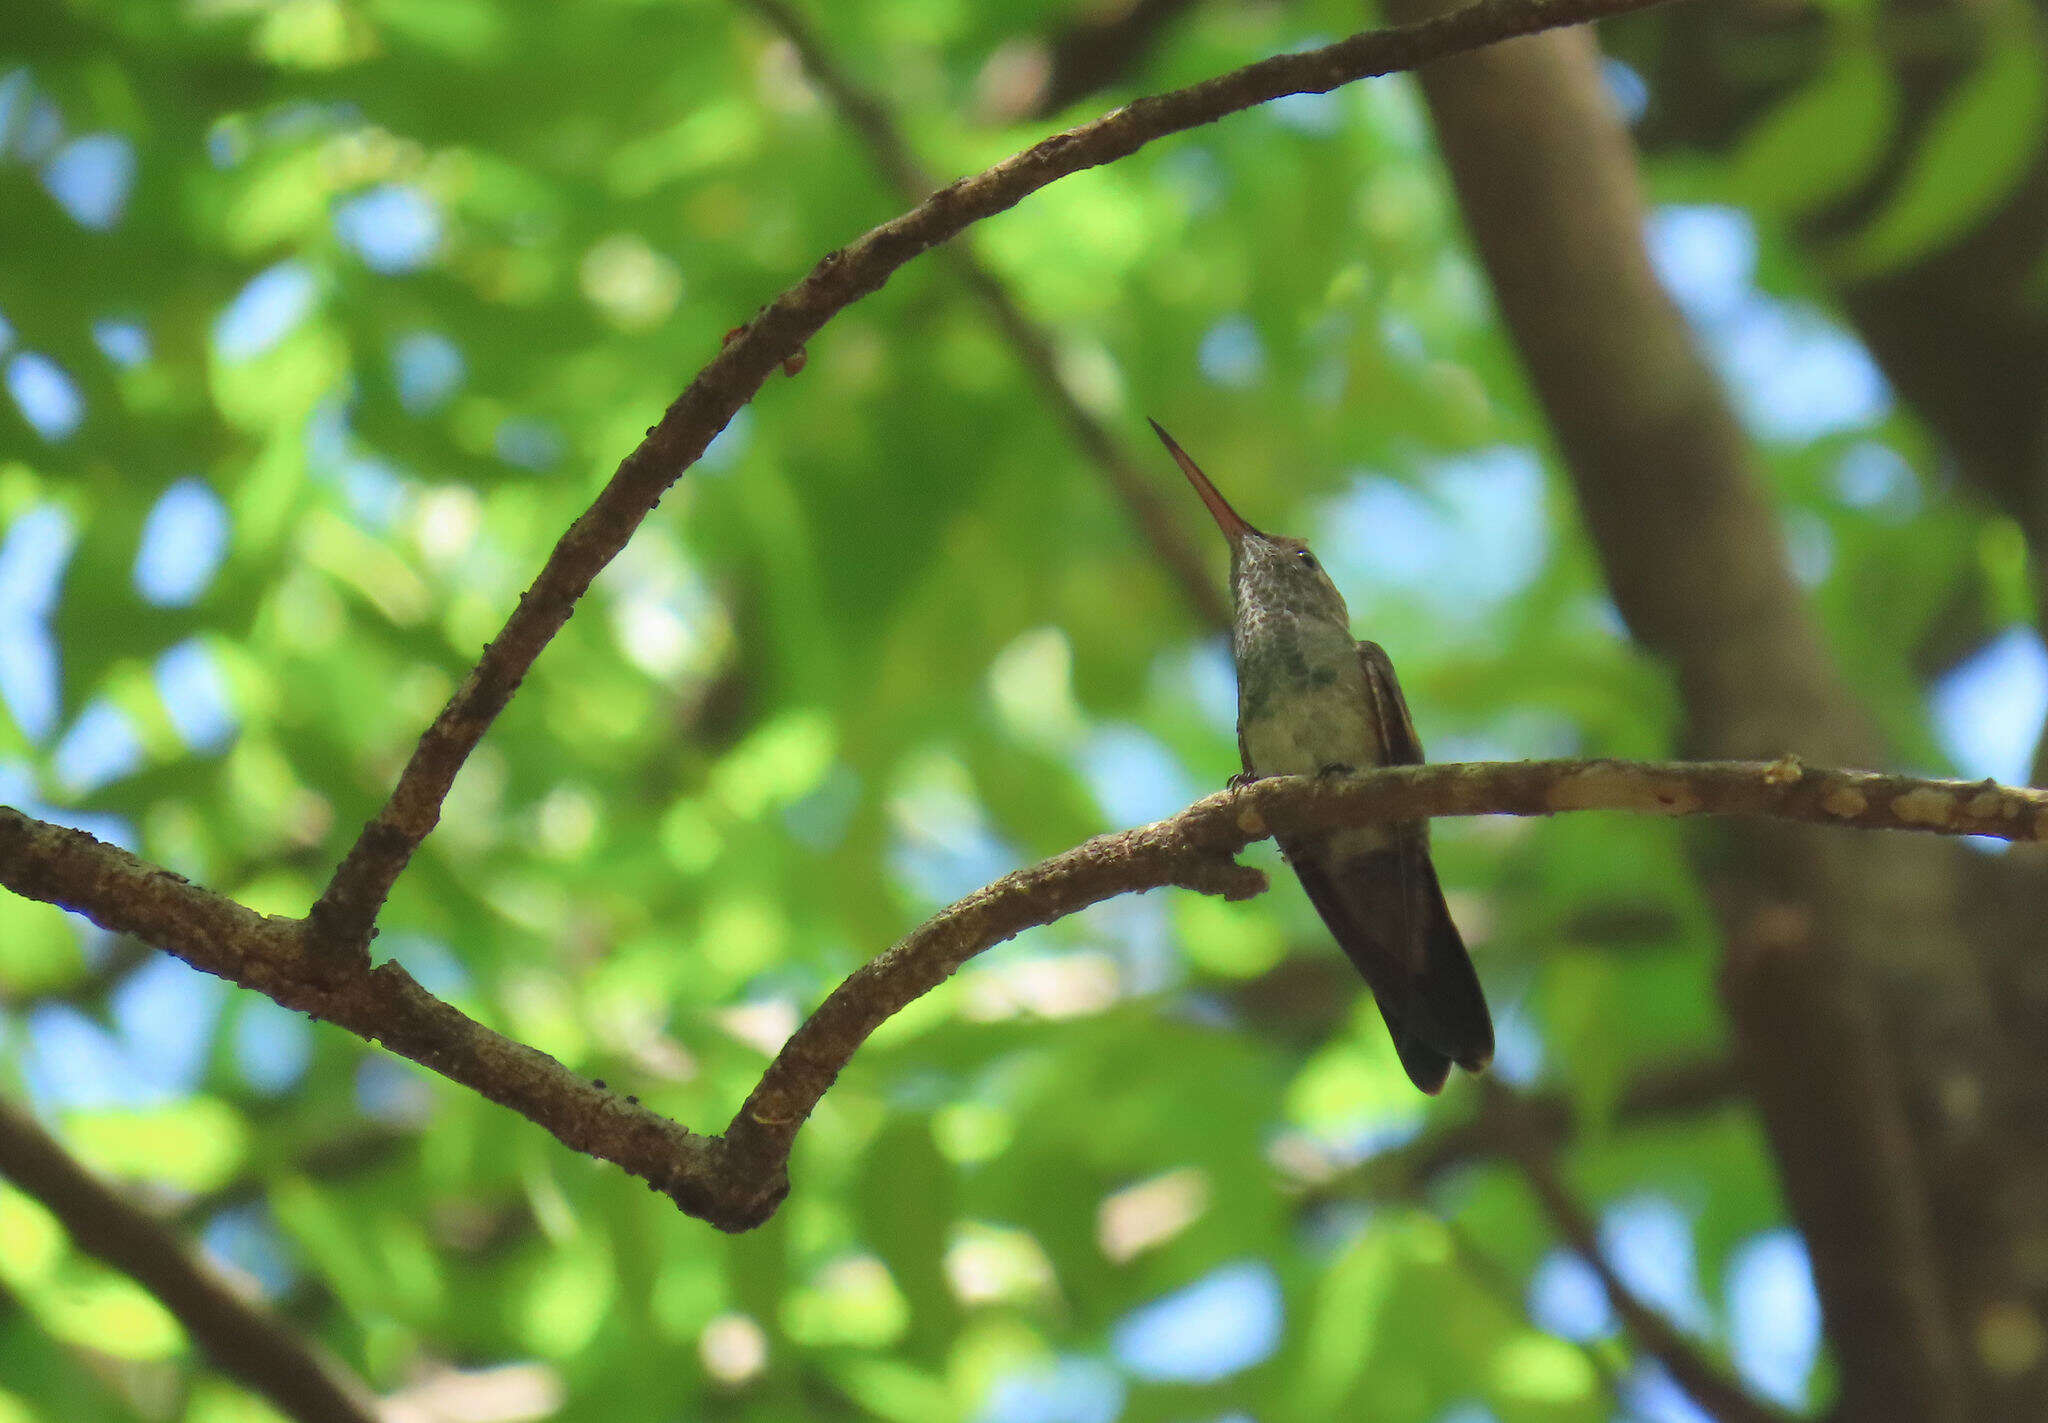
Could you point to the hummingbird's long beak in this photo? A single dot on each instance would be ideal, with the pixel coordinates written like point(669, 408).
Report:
point(1234, 528)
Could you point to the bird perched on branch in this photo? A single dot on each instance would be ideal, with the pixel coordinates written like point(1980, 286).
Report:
point(1311, 701)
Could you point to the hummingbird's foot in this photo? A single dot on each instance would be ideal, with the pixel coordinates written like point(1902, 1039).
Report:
point(1239, 781)
point(1335, 768)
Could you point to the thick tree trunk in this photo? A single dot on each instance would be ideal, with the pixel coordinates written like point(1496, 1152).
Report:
point(1887, 1081)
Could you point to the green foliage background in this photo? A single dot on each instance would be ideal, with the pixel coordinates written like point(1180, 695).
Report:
point(890, 638)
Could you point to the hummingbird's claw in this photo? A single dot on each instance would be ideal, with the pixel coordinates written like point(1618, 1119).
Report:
point(1239, 781)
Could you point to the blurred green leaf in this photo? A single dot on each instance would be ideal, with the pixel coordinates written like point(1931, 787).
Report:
point(195, 1144)
point(1341, 1332)
point(1974, 151)
point(38, 947)
point(109, 1313)
point(1819, 145)
point(35, 1241)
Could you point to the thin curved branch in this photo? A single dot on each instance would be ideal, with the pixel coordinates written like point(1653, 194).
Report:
point(348, 908)
point(246, 1341)
point(736, 1180)
point(1140, 495)
point(1505, 1124)
point(1511, 1293)
point(1704, 1381)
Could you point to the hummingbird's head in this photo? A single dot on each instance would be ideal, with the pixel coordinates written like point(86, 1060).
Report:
point(1268, 572)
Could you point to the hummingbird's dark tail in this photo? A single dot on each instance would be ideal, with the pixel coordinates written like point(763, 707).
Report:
point(1444, 1016)
point(1387, 912)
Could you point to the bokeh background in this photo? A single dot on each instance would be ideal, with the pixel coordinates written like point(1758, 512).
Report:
point(320, 319)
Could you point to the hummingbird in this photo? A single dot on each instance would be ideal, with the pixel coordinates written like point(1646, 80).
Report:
point(1312, 702)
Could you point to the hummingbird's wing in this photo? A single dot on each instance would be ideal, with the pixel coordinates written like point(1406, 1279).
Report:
point(1446, 1011)
point(1382, 902)
point(1399, 745)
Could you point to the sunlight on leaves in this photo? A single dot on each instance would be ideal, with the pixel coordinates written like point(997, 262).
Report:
point(566, 1299)
point(35, 1241)
point(108, 1313)
point(194, 1145)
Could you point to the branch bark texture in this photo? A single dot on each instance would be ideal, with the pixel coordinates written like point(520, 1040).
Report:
point(278, 958)
point(244, 1340)
point(736, 1180)
point(348, 908)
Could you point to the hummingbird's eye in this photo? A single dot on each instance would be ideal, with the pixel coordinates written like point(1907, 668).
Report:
point(1306, 557)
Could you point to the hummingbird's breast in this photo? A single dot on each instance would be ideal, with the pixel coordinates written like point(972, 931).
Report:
point(1302, 702)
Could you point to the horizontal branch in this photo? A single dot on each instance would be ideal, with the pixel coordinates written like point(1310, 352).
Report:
point(243, 1339)
point(1200, 840)
point(736, 1180)
point(348, 908)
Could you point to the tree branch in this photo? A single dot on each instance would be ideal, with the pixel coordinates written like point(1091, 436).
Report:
point(1512, 1294)
point(735, 1181)
point(869, 117)
point(347, 910)
point(244, 1340)
point(1700, 1377)
point(381, 1004)
point(1505, 1123)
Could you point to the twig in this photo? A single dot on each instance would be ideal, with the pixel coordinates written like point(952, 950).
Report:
point(348, 908)
point(1509, 1292)
point(1659, 1094)
point(1701, 1378)
point(870, 118)
point(245, 1340)
point(736, 1181)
